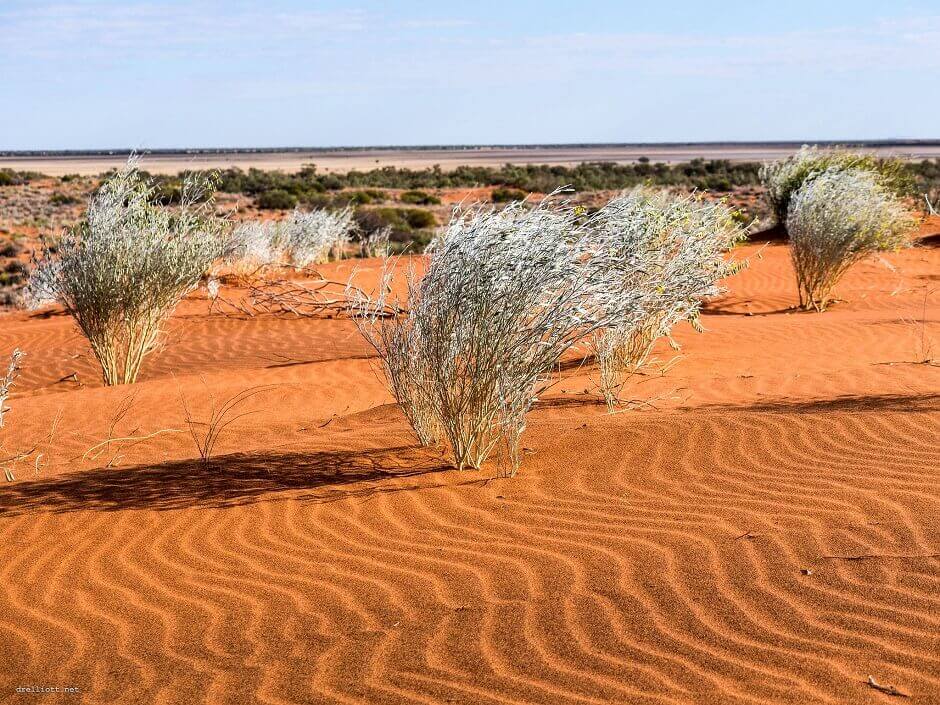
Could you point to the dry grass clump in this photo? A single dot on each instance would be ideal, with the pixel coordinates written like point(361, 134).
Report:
point(122, 271)
point(376, 243)
point(836, 219)
point(673, 249)
point(505, 295)
point(784, 177)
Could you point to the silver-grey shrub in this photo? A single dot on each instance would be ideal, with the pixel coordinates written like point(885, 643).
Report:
point(782, 178)
point(674, 249)
point(301, 239)
point(314, 237)
point(836, 219)
point(504, 296)
point(248, 247)
point(122, 271)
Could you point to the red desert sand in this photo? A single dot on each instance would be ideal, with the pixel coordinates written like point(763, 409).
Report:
point(761, 526)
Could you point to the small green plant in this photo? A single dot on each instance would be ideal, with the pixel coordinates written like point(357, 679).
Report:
point(505, 195)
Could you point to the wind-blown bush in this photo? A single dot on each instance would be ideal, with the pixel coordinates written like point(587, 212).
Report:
point(670, 247)
point(784, 177)
point(836, 219)
point(121, 272)
point(504, 296)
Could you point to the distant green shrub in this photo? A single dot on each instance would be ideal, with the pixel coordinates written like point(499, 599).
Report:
point(405, 224)
point(419, 198)
point(276, 200)
point(10, 248)
point(318, 200)
point(504, 195)
point(419, 219)
point(62, 199)
point(360, 198)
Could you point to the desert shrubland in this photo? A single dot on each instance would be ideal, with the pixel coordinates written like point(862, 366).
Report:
point(836, 219)
point(784, 177)
point(121, 271)
point(673, 249)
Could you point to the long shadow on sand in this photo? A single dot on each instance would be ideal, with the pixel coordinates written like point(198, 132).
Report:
point(230, 480)
point(849, 402)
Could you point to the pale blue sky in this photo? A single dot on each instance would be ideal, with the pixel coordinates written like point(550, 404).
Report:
point(173, 73)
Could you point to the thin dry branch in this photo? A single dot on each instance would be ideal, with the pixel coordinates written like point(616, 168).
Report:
point(301, 298)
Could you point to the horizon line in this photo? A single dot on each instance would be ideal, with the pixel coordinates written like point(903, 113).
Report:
point(112, 151)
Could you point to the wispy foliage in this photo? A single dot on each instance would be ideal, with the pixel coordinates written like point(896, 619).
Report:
point(673, 249)
point(505, 295)
point(836, 219)
point(301, 239)
point(122, 271)
point(784, 177)
point(314, 237)
point(6, 382)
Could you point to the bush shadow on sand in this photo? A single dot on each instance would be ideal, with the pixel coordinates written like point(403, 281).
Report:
point(229, 480)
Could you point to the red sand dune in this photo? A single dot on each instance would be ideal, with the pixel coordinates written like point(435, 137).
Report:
point(763, 530)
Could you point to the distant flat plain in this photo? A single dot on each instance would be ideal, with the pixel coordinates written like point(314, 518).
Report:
point(363, 159)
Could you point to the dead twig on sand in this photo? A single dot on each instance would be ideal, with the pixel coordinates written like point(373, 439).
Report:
point(886, 689)
point(9, 463)
point(122, 442)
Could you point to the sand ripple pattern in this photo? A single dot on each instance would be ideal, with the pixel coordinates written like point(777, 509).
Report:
point(666, 565)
